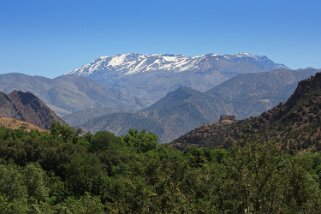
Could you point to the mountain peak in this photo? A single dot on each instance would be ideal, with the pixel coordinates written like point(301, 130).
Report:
point(245, 54)
point(133, 63)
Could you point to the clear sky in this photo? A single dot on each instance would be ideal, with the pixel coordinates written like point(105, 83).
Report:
point(51, 37)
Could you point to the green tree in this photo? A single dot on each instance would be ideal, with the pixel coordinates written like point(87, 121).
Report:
point(86, 204)
point(12, 184)
point(103, 140)
point(141, 141)
point(64, 131)
point(83, 172)
point(35, 180)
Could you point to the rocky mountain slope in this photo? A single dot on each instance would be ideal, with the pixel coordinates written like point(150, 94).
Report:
point(294, 124)
point(7, 107)
point(147, 78)
point(27, 107)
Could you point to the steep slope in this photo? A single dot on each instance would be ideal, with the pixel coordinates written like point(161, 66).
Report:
point(64, 94)
point(295, 124)
point(7, 108)
point(253, 93)
point(32, 109)
point(148, 78)
point(27, 107)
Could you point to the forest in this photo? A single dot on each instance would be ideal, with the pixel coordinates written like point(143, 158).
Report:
point(66, 171)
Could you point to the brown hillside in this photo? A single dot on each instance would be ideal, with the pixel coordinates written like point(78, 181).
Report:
point(27, 107)
point(18, 124)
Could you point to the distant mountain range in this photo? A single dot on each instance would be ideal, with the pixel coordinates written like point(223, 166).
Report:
point(144, 79)
point(133, 81)
point(166, 94)
point(27, 107)
point(129, 64)
point(294, 124)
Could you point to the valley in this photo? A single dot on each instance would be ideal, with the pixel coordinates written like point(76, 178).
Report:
point(160, 107)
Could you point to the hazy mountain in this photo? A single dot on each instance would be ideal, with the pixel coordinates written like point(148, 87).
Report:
point(27, 107)
point(295, 124)
point(173, 115)
point(81, 117)
point(120, 123)
point(251, 94)
point(144, 79)
point(64, 94)
point(185, 109)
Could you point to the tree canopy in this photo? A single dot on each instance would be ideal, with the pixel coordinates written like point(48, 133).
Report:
point(66, 171)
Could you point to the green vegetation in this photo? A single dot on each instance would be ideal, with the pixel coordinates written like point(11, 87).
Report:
point(67, 172)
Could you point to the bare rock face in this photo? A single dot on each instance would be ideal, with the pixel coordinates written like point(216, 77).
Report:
point(27, 107)
point(7, 109)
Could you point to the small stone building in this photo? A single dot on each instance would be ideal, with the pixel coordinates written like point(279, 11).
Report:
point(227, 119)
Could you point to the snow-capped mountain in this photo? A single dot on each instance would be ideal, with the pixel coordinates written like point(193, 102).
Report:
point(142, 79)
point(129, 64)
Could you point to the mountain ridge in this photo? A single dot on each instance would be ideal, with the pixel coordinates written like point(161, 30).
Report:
point(148, 78)
point(27, 107)
point(132, 63)
point(295, 124)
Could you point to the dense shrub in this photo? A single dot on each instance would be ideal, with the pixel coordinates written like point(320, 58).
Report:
point(68, 172)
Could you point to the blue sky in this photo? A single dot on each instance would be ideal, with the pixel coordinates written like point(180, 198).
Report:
point(51, 37)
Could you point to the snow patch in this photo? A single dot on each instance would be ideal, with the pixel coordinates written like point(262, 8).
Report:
point(132, 63)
